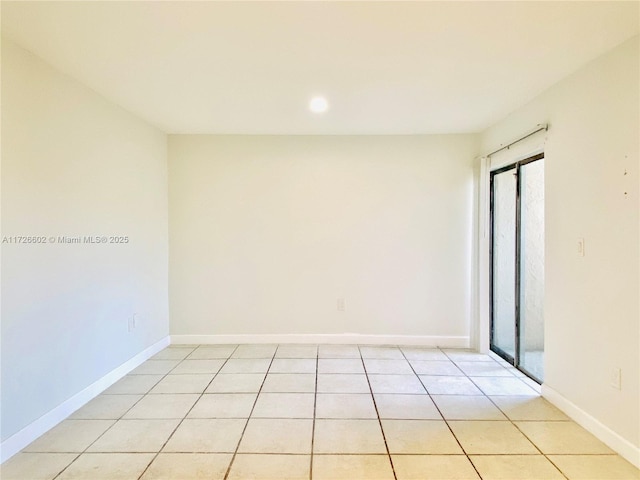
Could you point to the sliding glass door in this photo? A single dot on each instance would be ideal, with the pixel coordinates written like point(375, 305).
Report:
point(532, 268)
point(503, 339)
point(517, 265)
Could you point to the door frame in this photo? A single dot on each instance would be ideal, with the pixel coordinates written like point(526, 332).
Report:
point(515, 361)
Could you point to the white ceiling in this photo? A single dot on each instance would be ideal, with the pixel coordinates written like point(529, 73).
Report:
point(385, 67)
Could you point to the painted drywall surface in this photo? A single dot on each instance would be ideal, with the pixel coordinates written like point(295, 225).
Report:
point(592, 318)
point(268, 233)
point(74, 164)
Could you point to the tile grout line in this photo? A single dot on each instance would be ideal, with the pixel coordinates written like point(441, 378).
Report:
point(62, 471)
point(469, 377)
point(526, 436)
point(540, 452)
point(121, 416)
point(235, 453)
point(507, 417)
point(189, 411)
point(375, 405)
point(313, 426)
point(440, 411)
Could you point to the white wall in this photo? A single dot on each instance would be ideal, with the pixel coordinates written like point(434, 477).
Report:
point(592, 316)
point(75, 164)
point(267, 233)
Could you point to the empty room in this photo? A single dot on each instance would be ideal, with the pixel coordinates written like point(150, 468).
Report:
point(341, 240)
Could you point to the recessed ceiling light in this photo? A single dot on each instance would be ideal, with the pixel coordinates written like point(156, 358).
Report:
point(318, 105)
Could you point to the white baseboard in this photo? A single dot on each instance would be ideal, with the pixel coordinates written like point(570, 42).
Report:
point(28, 434)
point(610, 438)
point(341, 338)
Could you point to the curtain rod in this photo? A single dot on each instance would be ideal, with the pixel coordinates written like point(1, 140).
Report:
point(539, 128)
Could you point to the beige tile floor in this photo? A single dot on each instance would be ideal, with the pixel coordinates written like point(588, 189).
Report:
point(343, 412)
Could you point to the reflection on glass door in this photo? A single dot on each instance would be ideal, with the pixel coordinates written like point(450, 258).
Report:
point(517, 265)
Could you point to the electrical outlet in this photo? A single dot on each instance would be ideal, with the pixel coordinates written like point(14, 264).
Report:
point(340, 304)
point(581, 247)
point(616, 378)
